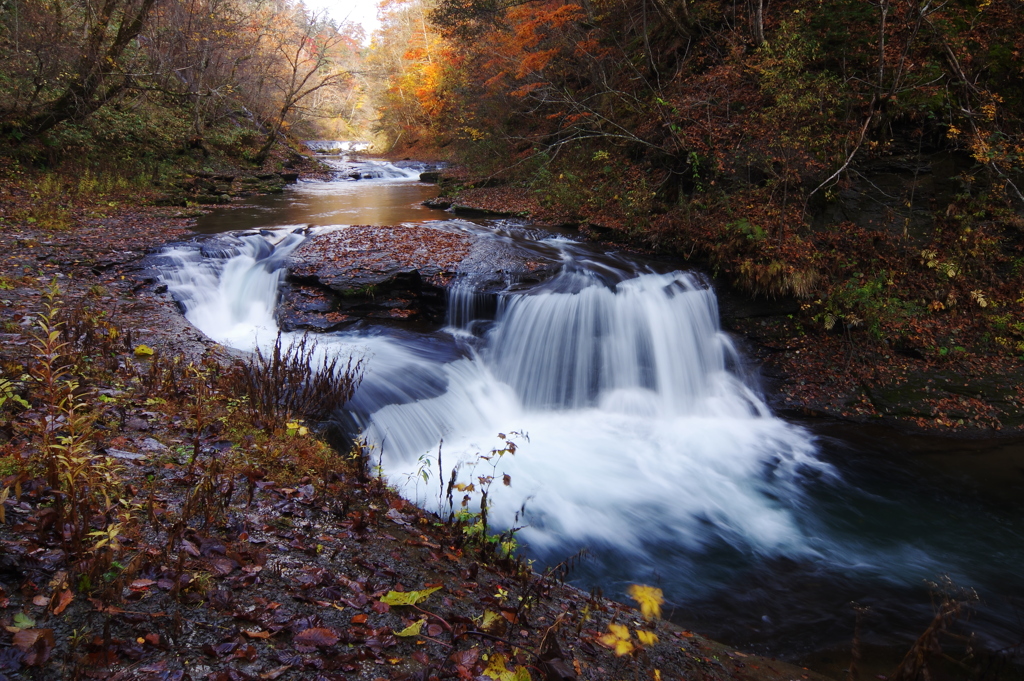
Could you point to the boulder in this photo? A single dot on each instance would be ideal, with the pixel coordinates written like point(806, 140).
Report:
point(400, 274)
point(390, 273)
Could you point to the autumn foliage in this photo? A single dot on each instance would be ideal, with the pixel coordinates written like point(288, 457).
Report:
point(801, 149)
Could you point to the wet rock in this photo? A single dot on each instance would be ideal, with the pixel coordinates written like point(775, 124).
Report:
point(123, 455)
point(151, 445)
point(212, 199)
point(952, 396)
point(399, 274)
point(396, 273)
point(136, 423)
point(440, 202)
point(432, 176)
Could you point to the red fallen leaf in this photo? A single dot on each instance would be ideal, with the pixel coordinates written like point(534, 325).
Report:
point(256, 634)
point(274, 673)
point(466, 658)
point(41, 600)
point(65, 600)
point(359, 619)
point(317, 636)
point(37, 644)
point(421, 657)
point(434, 630)
point(142, 584)
point(380, 607)
point(223, 566)
point(26, 638)
point(152, 639)
point(246, 652)
point(219, 650)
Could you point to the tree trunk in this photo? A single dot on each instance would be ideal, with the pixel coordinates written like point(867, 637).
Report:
point(759, 22)
point(86, 93)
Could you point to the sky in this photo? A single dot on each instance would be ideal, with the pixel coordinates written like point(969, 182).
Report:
point(359, 11)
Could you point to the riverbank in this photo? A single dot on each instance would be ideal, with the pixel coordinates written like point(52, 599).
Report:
point(942, 373)
point(206, 547)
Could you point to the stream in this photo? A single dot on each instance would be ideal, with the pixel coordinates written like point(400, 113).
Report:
point(641, 435)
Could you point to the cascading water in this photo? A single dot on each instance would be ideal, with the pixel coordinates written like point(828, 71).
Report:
point(622, 394)
point(229, 287)
point(627, 411)
point(637, 437)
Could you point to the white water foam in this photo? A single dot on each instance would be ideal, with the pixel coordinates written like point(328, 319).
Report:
point(633, 428)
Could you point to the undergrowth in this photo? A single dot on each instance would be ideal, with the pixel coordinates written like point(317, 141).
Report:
point(64, 416)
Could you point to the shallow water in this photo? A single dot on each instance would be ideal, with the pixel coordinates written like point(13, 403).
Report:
point(391, 199)
point(641, 436)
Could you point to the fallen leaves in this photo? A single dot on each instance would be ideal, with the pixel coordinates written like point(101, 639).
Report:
point(618, 639)
point(649, 598)
point(37, 644)
point(497, 670)
point(413, 629)
point(318, 637)
point(22, 621)
point(64, 601)
point(408, 597)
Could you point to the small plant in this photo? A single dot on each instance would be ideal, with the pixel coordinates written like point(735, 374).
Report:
point(474, 525)
point(8, 394)
point(294, 383)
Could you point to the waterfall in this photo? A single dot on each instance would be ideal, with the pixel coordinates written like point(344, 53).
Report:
point(630, 426)
point(229, 286)
point(627, 410)
point(638, 433)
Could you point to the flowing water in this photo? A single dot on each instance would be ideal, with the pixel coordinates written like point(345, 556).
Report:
point(640, 432)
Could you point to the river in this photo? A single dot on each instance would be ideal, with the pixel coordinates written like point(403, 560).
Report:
point(641, 435)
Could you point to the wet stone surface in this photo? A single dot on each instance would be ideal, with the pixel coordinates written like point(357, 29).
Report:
point(398, 274)
point(361, 272)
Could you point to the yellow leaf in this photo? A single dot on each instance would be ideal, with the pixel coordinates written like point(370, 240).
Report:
point(497, 670)
point(411, 630)
point(647, 638)
point(617, 639)
point(143, 351)
point(619, 630)
point(492, 621)
point(649, 598)
point(407, 597)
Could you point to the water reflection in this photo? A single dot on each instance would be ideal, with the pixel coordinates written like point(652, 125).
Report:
point(328, 203)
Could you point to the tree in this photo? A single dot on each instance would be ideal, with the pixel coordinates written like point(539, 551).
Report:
point(305, 63)
point(67, 59)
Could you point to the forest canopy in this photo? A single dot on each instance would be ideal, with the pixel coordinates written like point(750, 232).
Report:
point(147, 77)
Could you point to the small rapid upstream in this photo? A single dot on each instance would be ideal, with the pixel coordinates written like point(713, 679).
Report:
point(640, 435)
